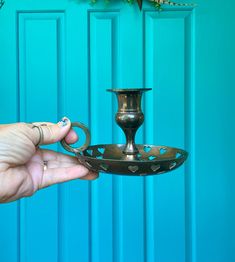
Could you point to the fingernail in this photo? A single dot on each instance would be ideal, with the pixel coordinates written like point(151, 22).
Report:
point(63, 122)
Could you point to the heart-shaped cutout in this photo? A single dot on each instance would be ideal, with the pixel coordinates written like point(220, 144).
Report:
point(178, 155)
point(155, 167)
point(89, 151)
point(162, 150)
point(152, 157)
point(99, 157)
point(172, 165)
point(147, 149)
point(104, 167)
point(101, 150)
point(133, 169)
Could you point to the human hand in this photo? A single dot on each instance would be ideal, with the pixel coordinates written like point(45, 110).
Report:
point(22, 164)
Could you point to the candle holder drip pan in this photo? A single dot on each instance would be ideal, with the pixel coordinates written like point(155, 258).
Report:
point(129, 158)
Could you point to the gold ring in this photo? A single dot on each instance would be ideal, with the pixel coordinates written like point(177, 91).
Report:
point(41, 136)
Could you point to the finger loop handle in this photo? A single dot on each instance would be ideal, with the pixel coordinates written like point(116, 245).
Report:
point(83, 147)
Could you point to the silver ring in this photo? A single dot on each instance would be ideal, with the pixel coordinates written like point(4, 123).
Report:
point(41, 136)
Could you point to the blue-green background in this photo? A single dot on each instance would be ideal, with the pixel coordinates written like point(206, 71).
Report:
point(57, 58)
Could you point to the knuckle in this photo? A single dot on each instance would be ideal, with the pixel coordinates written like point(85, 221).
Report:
point(29, 193)
point(4, 197)
point(23, 125)
point(25, 128)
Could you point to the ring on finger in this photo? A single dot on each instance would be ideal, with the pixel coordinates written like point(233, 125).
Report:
point(41, 136)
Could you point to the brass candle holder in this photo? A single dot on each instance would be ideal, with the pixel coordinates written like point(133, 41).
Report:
point(129, 158)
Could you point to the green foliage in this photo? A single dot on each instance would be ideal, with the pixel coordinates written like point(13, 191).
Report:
point(1, 3)
point(156, 5)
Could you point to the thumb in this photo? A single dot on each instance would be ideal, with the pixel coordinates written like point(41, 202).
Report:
point(48, 133)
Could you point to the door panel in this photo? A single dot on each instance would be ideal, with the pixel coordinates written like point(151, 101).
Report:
point(58, 58)
point(166, 71)
point(40, 92)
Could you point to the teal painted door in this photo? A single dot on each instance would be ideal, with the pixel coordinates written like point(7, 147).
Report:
point(57, 58)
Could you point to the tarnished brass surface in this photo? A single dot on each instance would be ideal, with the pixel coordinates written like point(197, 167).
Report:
point(81, 148)
point(129, 116)
point(151, 159)
point(129, 158)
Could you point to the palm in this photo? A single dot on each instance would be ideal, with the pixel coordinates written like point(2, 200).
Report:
point(22, 165)
point(32, 176)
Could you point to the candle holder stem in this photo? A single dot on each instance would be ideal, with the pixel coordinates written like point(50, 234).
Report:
point(129, 116)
